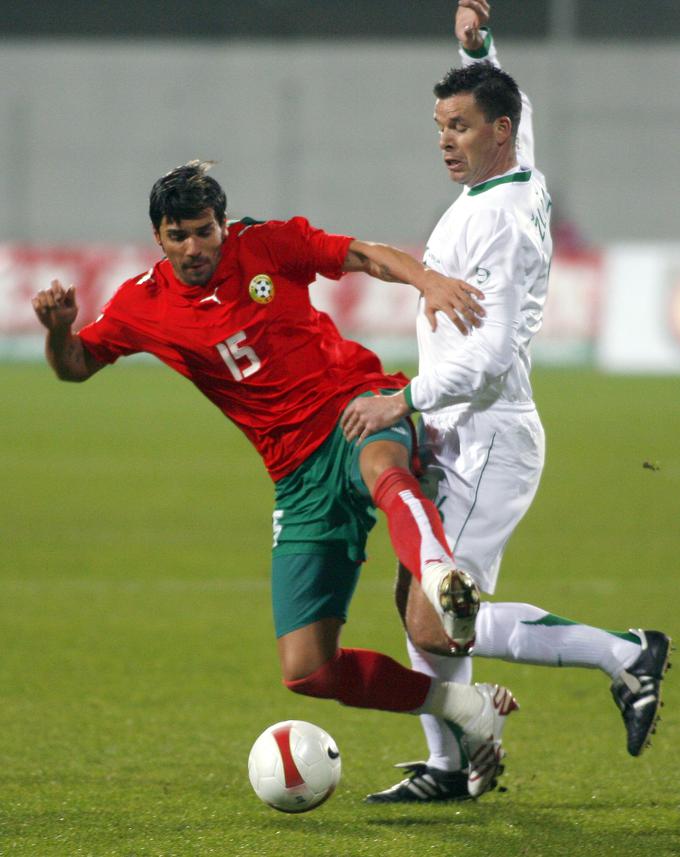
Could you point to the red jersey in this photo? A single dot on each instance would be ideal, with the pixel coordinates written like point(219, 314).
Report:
point(250, 340)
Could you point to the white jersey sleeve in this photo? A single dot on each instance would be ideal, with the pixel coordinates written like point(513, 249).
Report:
point(491, 247)
point(525, 132)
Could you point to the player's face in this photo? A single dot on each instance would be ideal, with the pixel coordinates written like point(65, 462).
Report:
point(193, 247)
point(474, 149)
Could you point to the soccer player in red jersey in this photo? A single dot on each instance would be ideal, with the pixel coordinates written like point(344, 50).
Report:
point(228, 307)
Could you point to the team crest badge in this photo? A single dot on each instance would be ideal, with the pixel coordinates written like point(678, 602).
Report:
point(261, 289)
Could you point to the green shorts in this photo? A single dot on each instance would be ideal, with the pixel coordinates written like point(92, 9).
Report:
point(322, 518)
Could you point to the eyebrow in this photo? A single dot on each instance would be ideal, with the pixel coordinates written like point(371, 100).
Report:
point(177, 229)
point(451, 119)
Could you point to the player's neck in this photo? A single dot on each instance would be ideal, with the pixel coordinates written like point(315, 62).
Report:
point(500, 167)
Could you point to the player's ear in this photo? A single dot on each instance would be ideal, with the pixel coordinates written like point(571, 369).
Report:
point(157, 236)
point(502, 129)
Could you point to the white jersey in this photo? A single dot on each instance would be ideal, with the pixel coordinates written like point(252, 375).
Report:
point(496, 236)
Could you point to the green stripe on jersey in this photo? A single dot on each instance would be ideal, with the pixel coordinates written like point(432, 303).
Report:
point(515, 177)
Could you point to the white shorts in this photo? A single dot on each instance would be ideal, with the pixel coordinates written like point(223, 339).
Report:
point(483, 474)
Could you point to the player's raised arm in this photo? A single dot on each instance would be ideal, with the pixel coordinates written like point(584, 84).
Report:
point(456, 298)
point(476, 44)
point(57, 310)
point(471, 16)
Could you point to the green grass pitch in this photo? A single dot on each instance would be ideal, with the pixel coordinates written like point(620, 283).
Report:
point(137, 661)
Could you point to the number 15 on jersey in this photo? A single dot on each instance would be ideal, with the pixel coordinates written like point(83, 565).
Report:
point(241, 360)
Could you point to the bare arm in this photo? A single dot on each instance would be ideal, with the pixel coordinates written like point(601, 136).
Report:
point(56, 309)
point(470, 16)
point(456, 298)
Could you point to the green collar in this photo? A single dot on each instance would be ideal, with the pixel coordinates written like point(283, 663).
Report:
point(514, 177)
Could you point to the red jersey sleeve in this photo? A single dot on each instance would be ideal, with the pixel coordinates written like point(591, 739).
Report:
point(301, 251)
point(108, 338)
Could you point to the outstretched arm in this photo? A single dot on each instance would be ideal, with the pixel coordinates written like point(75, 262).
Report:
point(476, 44)
point(456, 298)
point(57, 310)
point(471, 16)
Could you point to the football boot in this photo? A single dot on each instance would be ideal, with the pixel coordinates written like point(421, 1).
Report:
point(482, 738)
point(637, 690)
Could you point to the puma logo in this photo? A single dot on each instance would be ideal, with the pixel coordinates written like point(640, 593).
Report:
point(212, 297)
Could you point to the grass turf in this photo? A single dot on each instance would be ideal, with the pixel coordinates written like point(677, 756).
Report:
point(138, 662)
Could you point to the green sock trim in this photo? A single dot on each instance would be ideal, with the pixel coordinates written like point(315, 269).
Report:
point(550, 620)
point(458, 733)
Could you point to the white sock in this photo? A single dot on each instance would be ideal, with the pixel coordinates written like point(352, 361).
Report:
point(524, 633)
point(460, 703)
point(442, 739)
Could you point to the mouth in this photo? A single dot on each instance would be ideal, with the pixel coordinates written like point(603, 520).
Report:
point(454, 165)
point(200, 266)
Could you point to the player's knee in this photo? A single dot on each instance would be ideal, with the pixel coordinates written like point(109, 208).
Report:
point(379, 458)
point(321, 683)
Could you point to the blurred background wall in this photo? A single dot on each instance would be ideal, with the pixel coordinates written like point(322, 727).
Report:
point(325, 108)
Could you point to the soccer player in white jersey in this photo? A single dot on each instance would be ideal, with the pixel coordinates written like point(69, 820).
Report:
point(484, 442)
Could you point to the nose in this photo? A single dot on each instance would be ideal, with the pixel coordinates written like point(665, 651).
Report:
point(444, 140)
point(192, 246)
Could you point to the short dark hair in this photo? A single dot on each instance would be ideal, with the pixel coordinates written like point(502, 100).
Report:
point(186, 191)
point(495, 92)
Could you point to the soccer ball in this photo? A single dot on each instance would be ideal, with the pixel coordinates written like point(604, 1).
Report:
point(294, 766)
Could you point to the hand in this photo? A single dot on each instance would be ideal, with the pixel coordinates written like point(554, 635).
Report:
point(470, 16)
point(455, 298)
point(56, 307)
point(369, 414)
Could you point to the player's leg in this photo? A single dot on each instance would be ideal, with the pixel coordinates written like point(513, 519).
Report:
point(635, 660)
point(446, 753)
point(446, 775)
point(418, 537)
point(483, 477)
point(320, 526)
point(446, 748)
point(521, 632)
point(308, 587)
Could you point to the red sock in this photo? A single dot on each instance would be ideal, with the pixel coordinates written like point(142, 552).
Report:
point(415, 527)
point(365, 679)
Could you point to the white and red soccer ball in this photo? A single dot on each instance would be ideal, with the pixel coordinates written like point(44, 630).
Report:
point(294, 766)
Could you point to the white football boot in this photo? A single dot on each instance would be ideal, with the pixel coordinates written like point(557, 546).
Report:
point(455, 598)
point(482, 739)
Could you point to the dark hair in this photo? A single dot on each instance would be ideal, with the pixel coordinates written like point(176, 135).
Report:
point(495, 92)
point(186, 191)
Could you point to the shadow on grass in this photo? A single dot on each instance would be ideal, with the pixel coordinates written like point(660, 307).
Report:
point(595, 822)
